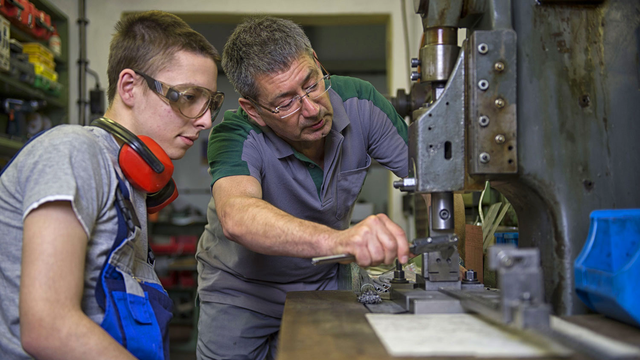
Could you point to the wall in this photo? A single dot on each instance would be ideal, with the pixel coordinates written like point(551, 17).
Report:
point(104, 14)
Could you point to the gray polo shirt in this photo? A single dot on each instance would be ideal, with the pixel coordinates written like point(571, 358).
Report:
point(365, 126)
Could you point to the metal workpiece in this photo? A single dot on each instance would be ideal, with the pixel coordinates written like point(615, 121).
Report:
point(427, 302)
point(442, 211)
point(492, 95)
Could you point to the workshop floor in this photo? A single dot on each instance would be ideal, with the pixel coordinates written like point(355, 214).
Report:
point(183, 346)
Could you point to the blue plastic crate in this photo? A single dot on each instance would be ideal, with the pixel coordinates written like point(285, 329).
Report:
point(606, 271)
point(507, 238)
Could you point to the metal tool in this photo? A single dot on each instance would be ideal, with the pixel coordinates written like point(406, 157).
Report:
point(331, 259)
point(446, 244)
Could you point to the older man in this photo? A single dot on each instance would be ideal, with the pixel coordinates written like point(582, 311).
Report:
point(287, 167)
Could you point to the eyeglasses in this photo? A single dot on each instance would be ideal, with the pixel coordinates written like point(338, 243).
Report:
point(314, 91)
point(191, 101)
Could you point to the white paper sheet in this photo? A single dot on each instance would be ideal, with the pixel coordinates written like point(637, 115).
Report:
point(453, 335)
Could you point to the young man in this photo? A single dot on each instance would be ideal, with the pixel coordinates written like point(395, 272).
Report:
point(287, 168)
point(76, 272)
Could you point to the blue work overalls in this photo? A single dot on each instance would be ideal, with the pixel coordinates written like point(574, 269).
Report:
point(137, 308)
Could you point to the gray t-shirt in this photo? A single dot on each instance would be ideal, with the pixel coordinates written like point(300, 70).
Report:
point(67, 163)
point(365, 126)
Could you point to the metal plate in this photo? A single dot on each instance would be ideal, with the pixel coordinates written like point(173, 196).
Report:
point(492, 102)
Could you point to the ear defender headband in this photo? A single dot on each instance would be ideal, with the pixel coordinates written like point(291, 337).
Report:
point(145, 165)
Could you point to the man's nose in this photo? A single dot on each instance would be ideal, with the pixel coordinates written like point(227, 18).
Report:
point(309, 108)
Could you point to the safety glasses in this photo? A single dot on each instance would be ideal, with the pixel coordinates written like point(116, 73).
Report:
point(191, 101)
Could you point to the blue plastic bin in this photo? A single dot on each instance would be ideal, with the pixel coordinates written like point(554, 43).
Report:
point(607, 270)
point(507, 238)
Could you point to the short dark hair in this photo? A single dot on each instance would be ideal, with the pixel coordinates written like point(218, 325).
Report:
point(148, 41)
point(262, 45)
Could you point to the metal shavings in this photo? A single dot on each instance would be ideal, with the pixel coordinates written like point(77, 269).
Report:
point(369, 297)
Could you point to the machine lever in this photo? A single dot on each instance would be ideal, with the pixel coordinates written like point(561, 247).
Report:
point(332, 259)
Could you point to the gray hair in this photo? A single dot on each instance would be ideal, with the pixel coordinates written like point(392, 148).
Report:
point(260, 46)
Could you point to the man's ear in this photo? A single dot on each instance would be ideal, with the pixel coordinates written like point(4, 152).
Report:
point(126, 86)
point(252, 111)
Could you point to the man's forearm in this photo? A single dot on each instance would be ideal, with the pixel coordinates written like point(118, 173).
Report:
point(259, 226)
point(263, 228)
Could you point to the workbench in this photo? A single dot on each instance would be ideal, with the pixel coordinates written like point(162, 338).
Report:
point(332, 325)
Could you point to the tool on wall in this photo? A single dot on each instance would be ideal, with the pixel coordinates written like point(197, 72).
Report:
point(17, 110)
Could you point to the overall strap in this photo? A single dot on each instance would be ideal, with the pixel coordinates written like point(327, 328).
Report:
point(137, 313)
point(127, 221)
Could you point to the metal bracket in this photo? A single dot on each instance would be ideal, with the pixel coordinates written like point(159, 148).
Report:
point(436, 139)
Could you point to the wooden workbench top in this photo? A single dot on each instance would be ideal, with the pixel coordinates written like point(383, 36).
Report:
point(332, 325)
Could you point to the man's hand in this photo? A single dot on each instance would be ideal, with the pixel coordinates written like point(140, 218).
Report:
point(373, 241)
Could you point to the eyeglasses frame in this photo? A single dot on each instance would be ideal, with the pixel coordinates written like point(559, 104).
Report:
point(298, 97)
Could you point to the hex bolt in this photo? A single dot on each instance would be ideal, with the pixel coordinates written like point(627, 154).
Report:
point(470, 275)
point(499, 103)
point(415, 63)
point(485, 157)
point(483, 48)
point(498, 66)
point(415, 76)
point(444, 214)
point(483, 120)
point(483, 84)
point(500, 139)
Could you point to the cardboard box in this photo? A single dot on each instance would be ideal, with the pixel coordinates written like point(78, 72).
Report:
point(471, 251)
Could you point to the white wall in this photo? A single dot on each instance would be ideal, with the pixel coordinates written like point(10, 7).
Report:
point(103, 15)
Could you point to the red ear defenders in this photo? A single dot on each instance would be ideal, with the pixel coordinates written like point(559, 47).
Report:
point(145, 165)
